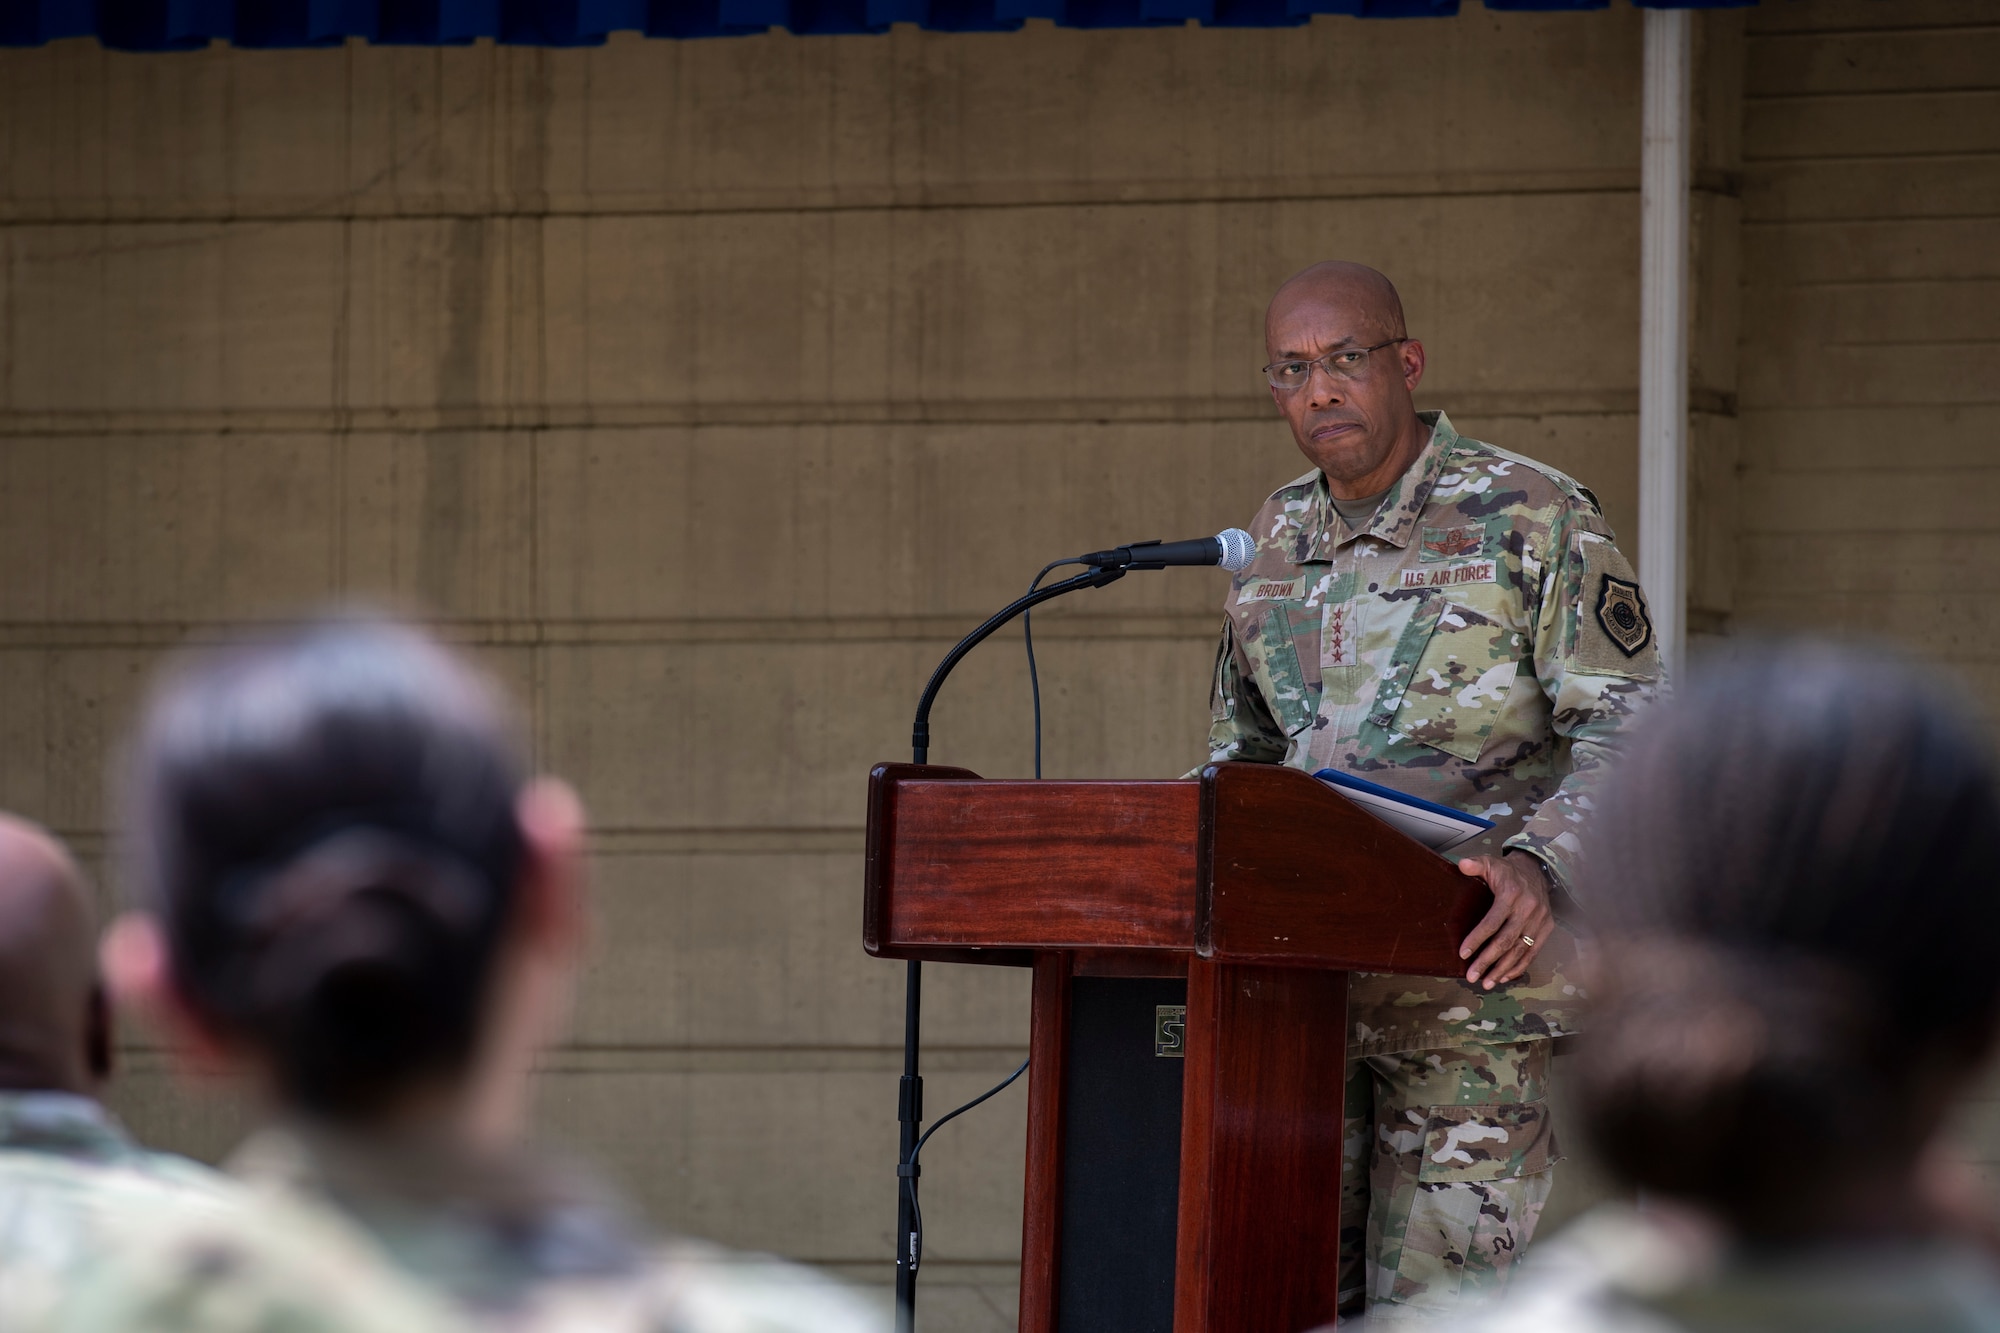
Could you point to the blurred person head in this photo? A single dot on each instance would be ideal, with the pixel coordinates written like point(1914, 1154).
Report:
point(1793, 868)
point(55, 1031)
point(1356, 423)
point(351, 887)
point(347, 881)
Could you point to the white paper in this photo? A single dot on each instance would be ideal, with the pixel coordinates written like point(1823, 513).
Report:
point(1439, 832)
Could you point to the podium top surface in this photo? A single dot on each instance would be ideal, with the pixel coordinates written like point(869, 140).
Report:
point(1248, 863)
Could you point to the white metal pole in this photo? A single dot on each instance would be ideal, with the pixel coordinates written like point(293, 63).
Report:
point(1663, 326)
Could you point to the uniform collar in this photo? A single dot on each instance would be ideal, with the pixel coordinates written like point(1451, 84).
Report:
point(62, 1124)
point(1395, 521)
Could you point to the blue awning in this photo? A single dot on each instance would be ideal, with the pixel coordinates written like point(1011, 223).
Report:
point(180, 25)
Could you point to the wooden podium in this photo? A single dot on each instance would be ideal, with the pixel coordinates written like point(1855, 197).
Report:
point(1197, 1194)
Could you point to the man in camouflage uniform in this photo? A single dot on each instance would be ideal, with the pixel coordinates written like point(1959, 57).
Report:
point(1451, 620)
point(89, 1220)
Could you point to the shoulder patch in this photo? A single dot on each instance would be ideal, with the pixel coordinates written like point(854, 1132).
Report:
point(1621, 609)
point(1614, 627)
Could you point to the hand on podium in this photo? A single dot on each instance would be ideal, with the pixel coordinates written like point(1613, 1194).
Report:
point(1517, 926)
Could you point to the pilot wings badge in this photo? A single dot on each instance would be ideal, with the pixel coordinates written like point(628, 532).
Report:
point(1451, 543)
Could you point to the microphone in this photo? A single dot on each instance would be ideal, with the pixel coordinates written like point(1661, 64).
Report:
point(1231, 549)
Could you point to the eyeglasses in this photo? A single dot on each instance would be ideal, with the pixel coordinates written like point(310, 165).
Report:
point(1349, 363)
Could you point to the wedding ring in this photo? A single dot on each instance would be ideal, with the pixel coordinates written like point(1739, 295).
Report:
point(1528, 940)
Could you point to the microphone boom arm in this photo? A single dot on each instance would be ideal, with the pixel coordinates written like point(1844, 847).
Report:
point(920, 729)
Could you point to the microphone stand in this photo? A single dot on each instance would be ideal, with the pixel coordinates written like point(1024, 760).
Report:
point(910, 1091)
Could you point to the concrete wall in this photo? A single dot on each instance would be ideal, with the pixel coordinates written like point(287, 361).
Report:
point(1869, 413)
point(1870, 397)
point(709, 390)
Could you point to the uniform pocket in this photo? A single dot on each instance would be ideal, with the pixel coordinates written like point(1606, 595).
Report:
point(1270, 643)
point(1459, 686)
point(1222, 703)
point(1472, 1209)
point(1480, 1143)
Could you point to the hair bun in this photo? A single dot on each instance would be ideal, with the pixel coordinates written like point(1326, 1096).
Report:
point(1705, 1052)
point(352, 961)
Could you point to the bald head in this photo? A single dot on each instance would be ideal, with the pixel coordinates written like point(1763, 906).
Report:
point(1354, 367)
point(1355, 293)
point(52, 1032)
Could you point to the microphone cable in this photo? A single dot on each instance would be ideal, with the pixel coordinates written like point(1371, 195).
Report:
point(910, 1167)
point(1028, 637)
point(910, 1174)
point(1234, 548)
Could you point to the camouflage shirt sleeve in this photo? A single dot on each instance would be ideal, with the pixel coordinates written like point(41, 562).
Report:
point(1597, 661)
point(1240, 722)
point(239, 1264)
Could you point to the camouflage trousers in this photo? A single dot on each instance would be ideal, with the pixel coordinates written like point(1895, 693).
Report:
point(1447, 1163)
